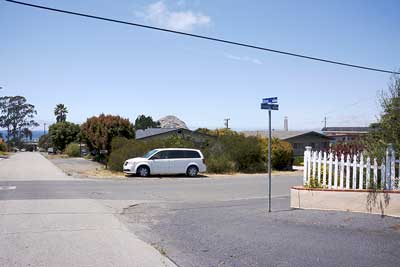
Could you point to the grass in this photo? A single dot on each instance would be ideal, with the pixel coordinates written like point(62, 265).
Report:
point(4, 153)
point(103, 173)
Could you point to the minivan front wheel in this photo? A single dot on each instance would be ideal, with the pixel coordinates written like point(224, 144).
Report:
point(192, 171)
point(143, 171)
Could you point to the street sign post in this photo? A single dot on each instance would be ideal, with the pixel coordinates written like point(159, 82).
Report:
point(270, 103)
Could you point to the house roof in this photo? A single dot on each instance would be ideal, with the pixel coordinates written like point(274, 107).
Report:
point(140, 134)
point(284, 135)
point(346, 129)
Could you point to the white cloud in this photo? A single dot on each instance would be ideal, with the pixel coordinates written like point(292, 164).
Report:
point(159, 14)
point(246, 59)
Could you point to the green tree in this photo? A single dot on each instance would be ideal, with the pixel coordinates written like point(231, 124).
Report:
point(45, 141)
point(16, 114)
point(63, 133)
point(387, 129)
point(143, 122)
point(60, 111)
point(98, 132)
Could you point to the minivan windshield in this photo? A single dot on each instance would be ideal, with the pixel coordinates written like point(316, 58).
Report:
point(150, 153)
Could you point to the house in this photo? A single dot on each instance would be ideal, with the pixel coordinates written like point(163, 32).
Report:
point(298, 139)
point(156, 133)
point(345, 134)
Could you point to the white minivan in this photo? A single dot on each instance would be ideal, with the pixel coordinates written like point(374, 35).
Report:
point(167, 161)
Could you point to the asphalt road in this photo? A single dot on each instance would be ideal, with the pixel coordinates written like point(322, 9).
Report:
point(215, 221)
point(242, 233)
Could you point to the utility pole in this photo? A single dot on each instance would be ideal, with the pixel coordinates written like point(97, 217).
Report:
point(325, 122)
point(227, 123)
point(44, 128)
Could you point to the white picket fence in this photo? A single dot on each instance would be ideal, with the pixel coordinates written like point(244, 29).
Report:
point(346, 172)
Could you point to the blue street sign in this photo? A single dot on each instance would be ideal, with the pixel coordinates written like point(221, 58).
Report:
point(270, 100)
point(269, 106)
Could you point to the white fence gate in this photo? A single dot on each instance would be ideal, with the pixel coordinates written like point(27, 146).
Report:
point(327, 170)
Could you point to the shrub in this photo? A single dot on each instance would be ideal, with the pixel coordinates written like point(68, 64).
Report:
point(3, 146)
point(298, 161)
point(246, 152)
point(220, 165)
point(118, 157)
point(73, 150)
point(281, 155)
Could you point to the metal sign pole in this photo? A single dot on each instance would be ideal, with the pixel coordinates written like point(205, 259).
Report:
point(269, 162)
point(270, 103)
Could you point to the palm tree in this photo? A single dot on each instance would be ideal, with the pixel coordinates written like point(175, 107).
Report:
point(60, 112)
point(27, 133)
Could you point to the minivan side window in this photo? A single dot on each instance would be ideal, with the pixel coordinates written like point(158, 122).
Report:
point(192, 154)
point(161, 155)
point(176, 154)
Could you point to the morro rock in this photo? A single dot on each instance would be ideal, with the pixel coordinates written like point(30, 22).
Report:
point(172, 122)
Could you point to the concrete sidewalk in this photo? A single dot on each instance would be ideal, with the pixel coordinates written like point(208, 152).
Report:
point(28, 166)
point(63, 232)
point(70, 233)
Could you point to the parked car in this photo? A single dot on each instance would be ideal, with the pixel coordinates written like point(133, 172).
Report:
point(167, 161)
point(51, 150)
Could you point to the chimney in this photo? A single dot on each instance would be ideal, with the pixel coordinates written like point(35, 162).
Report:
point(286, 124)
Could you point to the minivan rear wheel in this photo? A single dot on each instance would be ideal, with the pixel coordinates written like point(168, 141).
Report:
point(192, 171)
point(143, 171)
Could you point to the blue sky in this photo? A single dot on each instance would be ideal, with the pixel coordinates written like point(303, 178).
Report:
point(97, 67)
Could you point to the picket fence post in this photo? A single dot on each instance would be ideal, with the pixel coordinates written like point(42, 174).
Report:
point(335, 181)
point(361, 178)
point(387, 167)
point(383, 175)
point(330, 171)
point(348, 172)
point(319, 167)
point(354, 185)
point(375, 173)
point(392, 168)
point(368, 173)
point(342, 171)
point(324, 172)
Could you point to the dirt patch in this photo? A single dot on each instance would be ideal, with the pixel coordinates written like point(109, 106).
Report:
point(103, 173)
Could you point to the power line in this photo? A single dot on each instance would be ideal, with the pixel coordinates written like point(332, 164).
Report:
point(204, 37)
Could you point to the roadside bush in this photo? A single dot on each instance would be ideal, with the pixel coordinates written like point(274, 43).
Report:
point(118, 156)
point(220, 165)
point(3, 147)
point(73, 150)
point(282, 155)
point(245, 152)
point(298, 161)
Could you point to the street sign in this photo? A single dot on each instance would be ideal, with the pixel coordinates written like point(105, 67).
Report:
point(269, 103)
point(270, 100)
point(269, 106)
